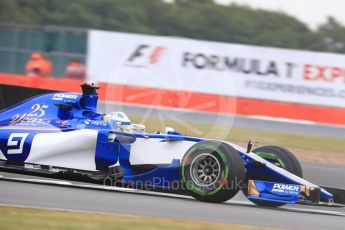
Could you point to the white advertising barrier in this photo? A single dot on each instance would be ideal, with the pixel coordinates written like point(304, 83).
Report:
point(217, 68)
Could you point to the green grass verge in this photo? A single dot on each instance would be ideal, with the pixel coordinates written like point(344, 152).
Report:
point(243, 135)
point(37, 219)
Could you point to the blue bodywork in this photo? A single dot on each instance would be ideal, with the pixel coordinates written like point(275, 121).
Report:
point(277, 192)
point(64, 112)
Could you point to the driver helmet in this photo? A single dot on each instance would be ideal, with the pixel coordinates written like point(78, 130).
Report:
point(119, 121)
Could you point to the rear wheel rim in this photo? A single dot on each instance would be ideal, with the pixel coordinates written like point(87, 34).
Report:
point(205, 170)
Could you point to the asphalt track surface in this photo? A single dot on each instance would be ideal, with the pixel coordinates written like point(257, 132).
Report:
point(236, 211)
point(252, 122)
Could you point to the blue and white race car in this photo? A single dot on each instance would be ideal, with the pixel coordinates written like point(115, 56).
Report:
point(63, 134)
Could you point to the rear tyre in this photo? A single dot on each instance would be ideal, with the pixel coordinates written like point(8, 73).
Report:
point(212, 171)
point(282, 158)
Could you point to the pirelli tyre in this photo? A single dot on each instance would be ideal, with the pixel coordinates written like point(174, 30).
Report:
point(212, 171)
point(280, 157)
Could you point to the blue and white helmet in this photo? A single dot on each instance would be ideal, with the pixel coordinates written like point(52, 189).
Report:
point(119, 121)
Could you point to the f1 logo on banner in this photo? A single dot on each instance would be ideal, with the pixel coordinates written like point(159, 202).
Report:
point(148, 54)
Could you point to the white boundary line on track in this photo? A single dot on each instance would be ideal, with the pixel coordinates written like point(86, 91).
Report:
point(284, 120)
point(316, 211)
point(89, 186)
point(135, 191)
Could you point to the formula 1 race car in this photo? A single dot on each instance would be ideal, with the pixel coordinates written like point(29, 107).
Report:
point(63, 134)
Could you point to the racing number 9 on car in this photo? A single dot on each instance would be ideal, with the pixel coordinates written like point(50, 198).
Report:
point(16, 139)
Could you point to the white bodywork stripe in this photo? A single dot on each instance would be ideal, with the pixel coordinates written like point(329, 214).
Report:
point(154, 151)
point(74, 149)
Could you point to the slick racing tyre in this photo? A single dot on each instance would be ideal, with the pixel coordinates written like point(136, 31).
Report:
point(282, 158)
point(212, 171)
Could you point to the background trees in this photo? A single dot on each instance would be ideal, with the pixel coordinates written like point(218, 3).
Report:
point(199, 19)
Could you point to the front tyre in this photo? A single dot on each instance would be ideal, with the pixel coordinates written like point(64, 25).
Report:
point(282, 158)
point(212, 171)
